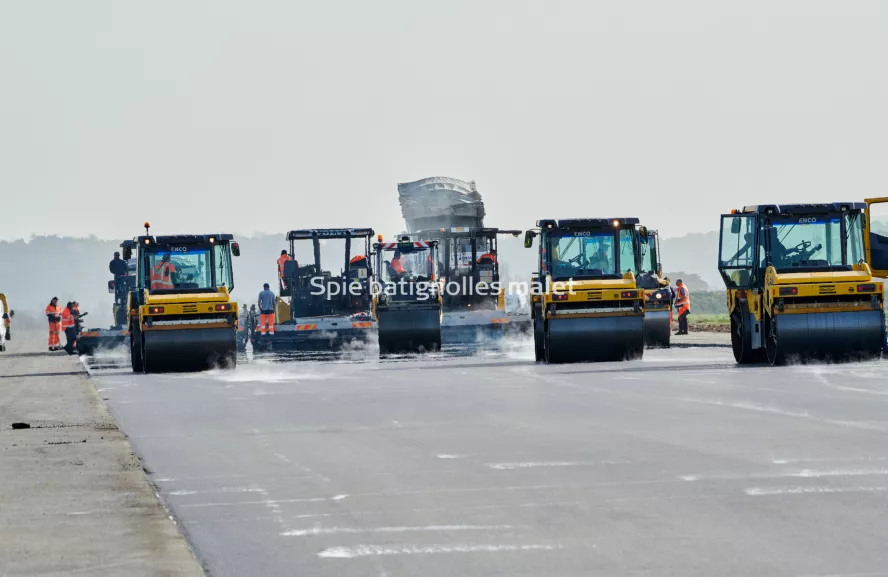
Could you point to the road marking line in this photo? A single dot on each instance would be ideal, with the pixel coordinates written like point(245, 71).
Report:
point(776, 491)
point(378, 550)
point(534, 464)
point(266, 502)
point(826, 460)
point(355, 531)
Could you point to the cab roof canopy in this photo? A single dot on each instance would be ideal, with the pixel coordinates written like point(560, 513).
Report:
point(464, 231)
point(185, 239)
point(329, 233)
point(586, 222)
point(804, 208)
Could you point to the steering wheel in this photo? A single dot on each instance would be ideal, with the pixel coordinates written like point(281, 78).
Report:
point(799, 248)
point(580, 260)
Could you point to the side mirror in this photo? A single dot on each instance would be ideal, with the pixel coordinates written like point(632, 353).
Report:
point(643, 232)
point(528, 238)
point(735, 226)
point(235, 249)
point(127, 253)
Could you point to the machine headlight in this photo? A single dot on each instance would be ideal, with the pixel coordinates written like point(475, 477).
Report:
point(658, 295)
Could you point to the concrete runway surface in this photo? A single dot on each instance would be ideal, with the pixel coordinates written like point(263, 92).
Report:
point(489, 464)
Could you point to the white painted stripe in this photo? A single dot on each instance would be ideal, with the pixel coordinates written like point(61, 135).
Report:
point(355, 530)
point(772, 491)
point(378, 550)
point(266, 502)
point(840, 473)
point(447, 456)
point(534, 464)
point(220, 490)
point(804, 473)
point(790, 461)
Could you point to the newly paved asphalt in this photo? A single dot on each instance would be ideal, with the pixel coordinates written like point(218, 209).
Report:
point(678, 464)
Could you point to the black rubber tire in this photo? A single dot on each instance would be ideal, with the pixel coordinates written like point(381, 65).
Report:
point(136, 359)
point(547, 350)
point(741, 338)
point(772, 348)
point(8, 335)
point(539, 336)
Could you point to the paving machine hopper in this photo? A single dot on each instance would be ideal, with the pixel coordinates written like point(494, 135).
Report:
point(798, 283)
point(474, 299)
point(93, 339)
point(407, 296)
point(181, 316)
point(590, 308)
point(659, 297)
point(318, 310)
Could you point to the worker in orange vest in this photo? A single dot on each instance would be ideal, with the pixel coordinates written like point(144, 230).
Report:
point(683, 304)
point(54, 316)
point(162, 274)
point(430, 267)
point(69, 327)
point(488, 256)
point(284, 258)
point(397, 266)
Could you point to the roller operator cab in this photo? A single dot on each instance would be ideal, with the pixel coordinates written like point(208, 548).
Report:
point(474, 301)
point(659, 297)
point(407, 296)
point(181, 316)
point(589, 307)
point(798, 283)
point(93, 339)
point(321, 309)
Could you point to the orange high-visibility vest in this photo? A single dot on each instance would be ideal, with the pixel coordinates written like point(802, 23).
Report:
point(54, 310)
point(683, 299)
point(67, 319)
point(161, 276)
point(281, 260)
point(430, 267)
point(487, 255)
point(397, 266)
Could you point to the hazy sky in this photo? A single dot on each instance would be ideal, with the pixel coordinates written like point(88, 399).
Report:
point(265, 116)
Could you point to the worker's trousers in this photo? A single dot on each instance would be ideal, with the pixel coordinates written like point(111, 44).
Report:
point(54, 329)
point(266, 323)
point(70, 340)
point(683, 320)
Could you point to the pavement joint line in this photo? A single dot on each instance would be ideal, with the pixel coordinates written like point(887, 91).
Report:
point(316, 531)
point(381, 550)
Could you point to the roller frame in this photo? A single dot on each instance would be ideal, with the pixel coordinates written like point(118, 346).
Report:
point(101, 339)
point(464, 327)
point(329, 333)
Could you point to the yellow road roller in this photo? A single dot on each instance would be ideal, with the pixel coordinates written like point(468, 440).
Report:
point(799, 286)
point(590, 307)
point(407, 296)
point(181, 316)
